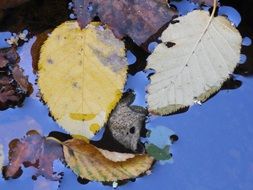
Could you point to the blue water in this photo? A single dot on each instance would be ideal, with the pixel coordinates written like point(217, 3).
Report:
point(214, 151)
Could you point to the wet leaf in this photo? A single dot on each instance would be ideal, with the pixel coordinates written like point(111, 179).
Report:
point(1, 157)
point(3, 62)
point(196, 65)
point(137, 19)
point(33, 150)
point(5, 4)
point(14, 86)
point(126, 122)
point(81, 76)
point(158, 153)
point(88, 162)
point(21, 80)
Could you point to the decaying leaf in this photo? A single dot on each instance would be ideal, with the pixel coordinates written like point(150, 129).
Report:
point(1, 157)
point(14, 86)
point(89, 163)
point(195, 67)
point(34, 150)
point(137, 19)
point(81, 76)
point(126, 122)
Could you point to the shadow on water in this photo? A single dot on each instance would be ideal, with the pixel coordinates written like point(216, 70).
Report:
point(215, 147)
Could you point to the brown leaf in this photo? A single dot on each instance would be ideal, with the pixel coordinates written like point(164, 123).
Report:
point(22, 80)
point(89, 163)
point(33, 150)
point(137, 19)
point(3, 62)
point(14, 86)
point(8, 94)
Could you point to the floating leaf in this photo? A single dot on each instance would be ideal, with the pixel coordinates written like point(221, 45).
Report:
point(81, 76)
point(34, 150)
point(196, 65)
point(14, 86)
point(126, 122)
point(89, 163)
point(137, 19)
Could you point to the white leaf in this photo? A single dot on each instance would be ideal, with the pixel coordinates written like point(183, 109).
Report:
point(205, 53)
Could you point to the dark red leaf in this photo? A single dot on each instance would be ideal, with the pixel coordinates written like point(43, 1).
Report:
point(14, 86)
point(34, 150)
point(139, 19)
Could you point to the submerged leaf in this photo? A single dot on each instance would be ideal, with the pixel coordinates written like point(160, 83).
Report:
point(82, 73)
point(137, 19)
point(34, 150)
point(89, 163)
point(195, 67)
point(126, 122)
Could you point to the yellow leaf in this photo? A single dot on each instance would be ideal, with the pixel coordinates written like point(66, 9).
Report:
point(92, 163)
point(205, 52)
point(81, 76)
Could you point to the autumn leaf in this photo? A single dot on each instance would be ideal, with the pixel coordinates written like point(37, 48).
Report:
point(14, 86)
point(196, 65)
point(88, 162)
point(137, 19)
point(33, 150)
point(126, 122)
point(82, 73)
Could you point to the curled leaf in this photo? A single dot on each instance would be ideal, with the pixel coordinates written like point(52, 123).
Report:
point(34, 150)
point(89, 163)
point(137, 19)
point(82, 73)
point(196, 65)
